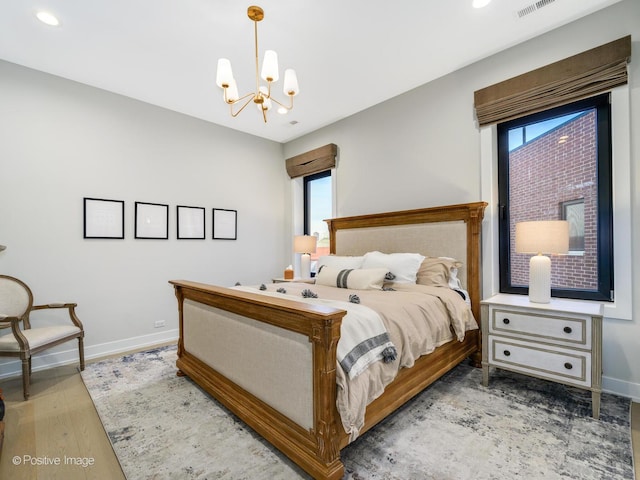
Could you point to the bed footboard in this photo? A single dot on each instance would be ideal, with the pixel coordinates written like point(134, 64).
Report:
point(282, 383)
point(241, 346)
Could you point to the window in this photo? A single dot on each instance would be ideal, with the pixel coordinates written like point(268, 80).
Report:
point(573, 212)
point(556, 165)
point(317, 207)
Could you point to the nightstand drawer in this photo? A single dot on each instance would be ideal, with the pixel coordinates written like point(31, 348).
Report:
point(545, 361)
point(575, 332)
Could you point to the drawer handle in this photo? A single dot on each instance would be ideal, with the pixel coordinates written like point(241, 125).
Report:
point(568, 366)
point(506, 321)
point(567, 330)
point(507, 353)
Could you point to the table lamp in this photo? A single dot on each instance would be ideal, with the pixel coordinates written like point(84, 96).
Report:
point(541, 237)
point(306, 245)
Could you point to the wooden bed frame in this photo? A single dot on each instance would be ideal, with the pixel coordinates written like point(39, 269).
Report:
point(315, 447)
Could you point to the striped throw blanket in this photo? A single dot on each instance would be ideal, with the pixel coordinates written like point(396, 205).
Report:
point(363, 339)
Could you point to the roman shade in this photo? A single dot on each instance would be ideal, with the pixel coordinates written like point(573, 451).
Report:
point(313, 161)
point(587, 73)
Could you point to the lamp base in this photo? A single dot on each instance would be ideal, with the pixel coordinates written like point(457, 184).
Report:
point(540, 279)
point(305, 265)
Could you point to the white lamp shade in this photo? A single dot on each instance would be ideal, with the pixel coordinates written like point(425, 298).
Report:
point(290, 82)
point(224, 75)
point(231, 95)
point(304, 244)
point(547, 236)
point(270, 66)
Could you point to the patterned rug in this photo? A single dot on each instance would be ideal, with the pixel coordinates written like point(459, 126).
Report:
point(165, 427)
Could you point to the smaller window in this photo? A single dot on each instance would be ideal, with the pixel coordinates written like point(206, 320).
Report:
point(318, 207)
point(573, 212)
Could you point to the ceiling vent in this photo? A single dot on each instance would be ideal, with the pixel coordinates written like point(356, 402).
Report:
point(533, 7)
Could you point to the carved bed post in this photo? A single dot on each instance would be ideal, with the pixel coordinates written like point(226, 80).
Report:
point(180, 297)
point(325, 338)
point(474, 230)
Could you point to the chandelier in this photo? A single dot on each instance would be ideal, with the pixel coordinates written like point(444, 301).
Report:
point(262, 94)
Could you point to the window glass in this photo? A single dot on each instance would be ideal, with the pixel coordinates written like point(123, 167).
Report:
point(556, 165)
point(317, 208)
point(573, 212)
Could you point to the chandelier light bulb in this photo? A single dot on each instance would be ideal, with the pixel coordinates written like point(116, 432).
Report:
point(232, 92)
point(270, 66)
point(290, 86)
point(224, 75)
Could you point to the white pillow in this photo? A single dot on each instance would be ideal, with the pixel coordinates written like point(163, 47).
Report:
point(404, 266)
point(355, 279)
point(340, 262)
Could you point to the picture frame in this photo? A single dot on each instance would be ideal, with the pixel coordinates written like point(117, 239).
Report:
point(225, 224)
point(151, 221)
point(190, 223)
point(103, 218)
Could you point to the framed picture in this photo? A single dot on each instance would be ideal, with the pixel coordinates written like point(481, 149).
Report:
point(190, 222)
point(103, 218)
point(152, 221)
point(225, 223)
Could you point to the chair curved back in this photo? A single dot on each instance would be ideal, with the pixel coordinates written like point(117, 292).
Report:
point(16, 302)
point(16, 298)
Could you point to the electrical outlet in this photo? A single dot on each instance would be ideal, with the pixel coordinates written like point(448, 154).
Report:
point(158, 324)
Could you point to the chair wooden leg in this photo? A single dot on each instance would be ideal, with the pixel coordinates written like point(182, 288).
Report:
point(81, 352)
point(26, 376)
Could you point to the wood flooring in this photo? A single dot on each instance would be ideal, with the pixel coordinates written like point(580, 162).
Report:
point(57, 433)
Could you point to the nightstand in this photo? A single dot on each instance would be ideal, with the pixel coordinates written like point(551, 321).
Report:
point(297, 280)
point(559, 341)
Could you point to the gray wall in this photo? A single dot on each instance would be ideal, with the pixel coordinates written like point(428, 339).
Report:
point(423, 148)
point(61, 141)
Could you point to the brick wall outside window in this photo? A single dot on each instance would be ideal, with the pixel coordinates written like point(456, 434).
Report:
point(545, 172)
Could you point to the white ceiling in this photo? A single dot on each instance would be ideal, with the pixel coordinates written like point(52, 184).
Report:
point(348, 54)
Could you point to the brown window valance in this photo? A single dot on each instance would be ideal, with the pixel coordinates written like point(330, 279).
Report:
point(313, 161)
point(579, 76)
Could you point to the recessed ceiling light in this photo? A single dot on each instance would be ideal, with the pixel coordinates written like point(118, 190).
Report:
point(480, 3)
point(282, 110)
point(48, 18)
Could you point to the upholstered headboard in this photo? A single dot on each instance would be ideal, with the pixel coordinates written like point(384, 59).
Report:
point(447, 231)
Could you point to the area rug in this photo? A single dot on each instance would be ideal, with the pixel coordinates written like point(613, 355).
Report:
point(165, 427)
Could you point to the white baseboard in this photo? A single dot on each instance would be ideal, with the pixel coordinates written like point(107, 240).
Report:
point(13, 368)
point(622, 388)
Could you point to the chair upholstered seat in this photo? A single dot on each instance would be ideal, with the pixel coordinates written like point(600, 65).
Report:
point(18, 339)
point(38, 337)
